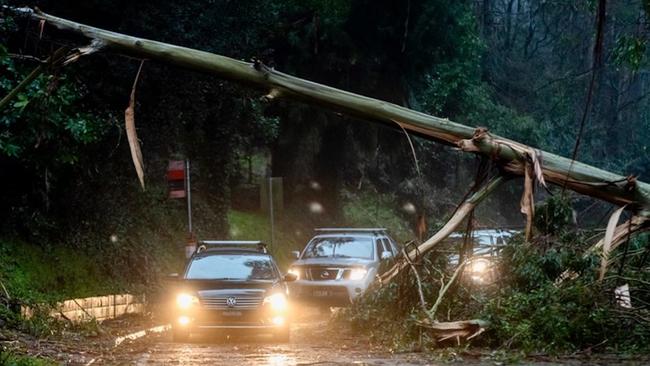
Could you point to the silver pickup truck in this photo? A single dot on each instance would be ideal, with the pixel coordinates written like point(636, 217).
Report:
point(338, 264)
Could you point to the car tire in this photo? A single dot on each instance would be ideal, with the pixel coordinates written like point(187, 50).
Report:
point(283, 335)
point(180, 335)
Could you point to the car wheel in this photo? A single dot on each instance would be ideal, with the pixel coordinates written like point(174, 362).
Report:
point(282, 335)
point(180, 335)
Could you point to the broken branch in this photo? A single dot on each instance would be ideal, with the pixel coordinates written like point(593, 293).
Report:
point(31, 77)
point(461, 213)
point(444, 288)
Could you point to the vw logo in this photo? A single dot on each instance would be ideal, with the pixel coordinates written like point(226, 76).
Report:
point(324, 274)
point(231, 302)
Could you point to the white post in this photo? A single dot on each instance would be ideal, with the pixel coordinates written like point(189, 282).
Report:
point(188, 192)
point(271, 210)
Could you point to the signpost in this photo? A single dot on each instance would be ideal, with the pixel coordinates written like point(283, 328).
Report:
point(179, 184)
point(271, 201)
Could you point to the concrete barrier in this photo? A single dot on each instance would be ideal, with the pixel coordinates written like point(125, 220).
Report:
point(97, 307)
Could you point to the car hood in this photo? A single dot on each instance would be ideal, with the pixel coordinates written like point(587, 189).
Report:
point(334, 262)
point(217, 288)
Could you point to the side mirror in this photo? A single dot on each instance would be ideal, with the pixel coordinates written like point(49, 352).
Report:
point(386, 255)
point(290, 277)
point(295, 254)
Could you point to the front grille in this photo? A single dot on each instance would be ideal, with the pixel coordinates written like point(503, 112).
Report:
point(324, 274)
point(241, 302)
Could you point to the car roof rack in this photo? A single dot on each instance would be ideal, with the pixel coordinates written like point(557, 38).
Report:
point(351, 230)
point(229, 244)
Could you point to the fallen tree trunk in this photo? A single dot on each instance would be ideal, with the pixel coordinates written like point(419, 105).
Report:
point(510, 155)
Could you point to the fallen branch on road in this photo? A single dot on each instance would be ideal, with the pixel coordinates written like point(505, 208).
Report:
point(466, 329)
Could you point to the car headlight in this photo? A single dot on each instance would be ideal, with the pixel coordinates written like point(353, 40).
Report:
point(479, 265)
point(358, 273)
point(277, 301)
point(185, 301)
point(295, 271)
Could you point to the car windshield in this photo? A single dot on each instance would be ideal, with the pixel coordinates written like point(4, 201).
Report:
point(231, 267)
point(343, 247)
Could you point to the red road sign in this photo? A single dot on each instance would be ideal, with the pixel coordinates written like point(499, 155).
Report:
point(176, 178)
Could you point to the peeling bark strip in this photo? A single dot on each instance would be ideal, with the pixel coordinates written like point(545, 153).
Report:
point(131, 133)
point(607, 241)
point(579, 177)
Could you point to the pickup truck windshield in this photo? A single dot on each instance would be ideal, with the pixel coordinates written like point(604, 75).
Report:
point(344, 247)
point(231, 267)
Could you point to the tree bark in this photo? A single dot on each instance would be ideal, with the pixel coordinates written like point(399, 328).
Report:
point(510, 155)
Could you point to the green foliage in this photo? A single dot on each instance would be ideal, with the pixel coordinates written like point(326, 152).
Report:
point(630, 51)
point(8, 358)
point(46, 124)
point(533, 313)
point(527, 310)
point(368, 208)
point(554, 216)
point(387, 316)
point(36, 274)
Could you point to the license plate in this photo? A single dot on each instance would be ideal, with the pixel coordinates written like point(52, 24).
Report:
point(231, 313)
point(321, 293)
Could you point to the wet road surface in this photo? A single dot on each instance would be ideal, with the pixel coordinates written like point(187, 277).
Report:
point(313, 342)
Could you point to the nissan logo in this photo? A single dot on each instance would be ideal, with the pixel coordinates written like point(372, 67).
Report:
point(231, 302)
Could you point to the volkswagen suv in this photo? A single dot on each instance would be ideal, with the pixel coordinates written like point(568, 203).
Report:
point(231, 285)
point(338, 264)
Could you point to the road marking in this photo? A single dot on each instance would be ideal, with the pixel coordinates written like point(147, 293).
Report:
point(141, 333)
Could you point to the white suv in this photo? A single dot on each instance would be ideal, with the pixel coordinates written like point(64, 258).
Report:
point(338, 264)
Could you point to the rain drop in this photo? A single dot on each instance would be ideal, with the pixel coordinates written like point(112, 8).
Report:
point(315, 207)
point(315, 185)
point(408, 207)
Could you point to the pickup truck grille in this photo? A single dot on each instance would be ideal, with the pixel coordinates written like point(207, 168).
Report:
point(324, 274)
point(240, 302)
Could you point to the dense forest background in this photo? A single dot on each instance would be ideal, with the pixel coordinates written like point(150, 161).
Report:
point(522, 68)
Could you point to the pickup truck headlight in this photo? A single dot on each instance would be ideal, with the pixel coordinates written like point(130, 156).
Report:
point(186, 301)
point(358, 274)
point(277, 301)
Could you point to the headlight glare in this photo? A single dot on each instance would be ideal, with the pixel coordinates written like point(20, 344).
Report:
point(277, 301)
point(358, 274)
point(185, 301)
point(479, 265)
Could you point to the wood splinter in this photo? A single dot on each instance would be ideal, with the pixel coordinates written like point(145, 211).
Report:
point(273, 94)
